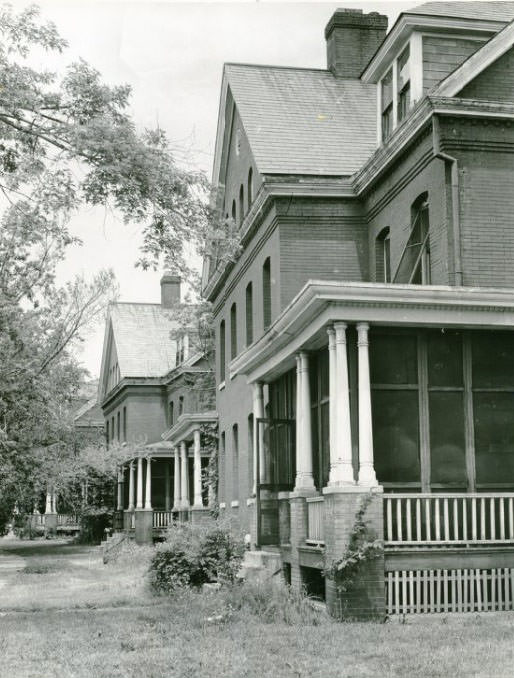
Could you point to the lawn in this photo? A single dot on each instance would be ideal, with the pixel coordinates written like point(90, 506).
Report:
point(66, 614)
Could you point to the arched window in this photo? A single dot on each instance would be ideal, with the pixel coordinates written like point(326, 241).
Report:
point(222, 351)
point(241, 204)
point(383, 256)
point(233, 210)
point(233, 331)
point(249, 314)
point(235, 462)
point(414, 266)
point(250, 187)
point(266, 293)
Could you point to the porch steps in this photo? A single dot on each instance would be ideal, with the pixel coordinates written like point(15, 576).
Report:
point(260, 565)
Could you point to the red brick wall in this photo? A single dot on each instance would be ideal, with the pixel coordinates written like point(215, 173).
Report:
point(389, 206)
point(333, 230)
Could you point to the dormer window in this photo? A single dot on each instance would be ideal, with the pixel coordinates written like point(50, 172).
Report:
point(386, 87)
point(403, 83)
point(400, 87)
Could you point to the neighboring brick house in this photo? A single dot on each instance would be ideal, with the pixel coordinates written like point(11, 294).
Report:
point(151, 405)
point(365, 336)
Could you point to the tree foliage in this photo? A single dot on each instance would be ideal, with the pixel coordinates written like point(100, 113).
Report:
point(65, 141)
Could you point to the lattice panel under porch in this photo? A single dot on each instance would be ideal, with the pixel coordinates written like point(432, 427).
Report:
point(426, 591)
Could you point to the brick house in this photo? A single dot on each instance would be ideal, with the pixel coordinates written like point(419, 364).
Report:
point(151, 406)
point(365, 340)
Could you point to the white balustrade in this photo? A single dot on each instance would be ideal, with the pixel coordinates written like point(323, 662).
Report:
point(162, 518)
point(315, 520)
point(447, 519)
point(64, 519)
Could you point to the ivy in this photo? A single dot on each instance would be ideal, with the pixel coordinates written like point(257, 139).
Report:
point(362, 547)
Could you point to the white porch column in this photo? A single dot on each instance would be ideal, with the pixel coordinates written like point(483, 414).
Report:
point(341, 468)
point(139, 502)
point(131, 486)
point(148, 488)
point(184, 479)
point(176, 481)
point(54, 501)
point(304, 477)
point(258, 413)
point(120, 490)
point(48, 507)
point(367, 475)
point(167, 488)
point(197, 468)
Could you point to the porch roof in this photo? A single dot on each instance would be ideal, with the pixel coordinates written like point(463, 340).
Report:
point(187, 424)
point(303, 323)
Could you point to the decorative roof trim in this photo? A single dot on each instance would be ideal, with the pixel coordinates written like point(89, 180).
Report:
point(407, 23)
point(322, 302)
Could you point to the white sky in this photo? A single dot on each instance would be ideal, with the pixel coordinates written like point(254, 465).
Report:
point(172, 54)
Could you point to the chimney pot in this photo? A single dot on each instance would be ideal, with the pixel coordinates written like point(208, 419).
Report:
point(170, 290)
point(352, 39)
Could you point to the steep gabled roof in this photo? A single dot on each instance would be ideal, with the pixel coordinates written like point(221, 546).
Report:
point(303, 121)
point(89, 414)
point(141, 333)
point(488, 11)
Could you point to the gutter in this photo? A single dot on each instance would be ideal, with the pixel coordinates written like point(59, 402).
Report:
point(455, 198)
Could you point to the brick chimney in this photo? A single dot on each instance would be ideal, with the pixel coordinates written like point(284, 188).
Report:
point(352, 39)
point(170, 290)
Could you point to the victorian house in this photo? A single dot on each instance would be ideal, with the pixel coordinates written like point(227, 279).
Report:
point(151, 407)
point(365, 336)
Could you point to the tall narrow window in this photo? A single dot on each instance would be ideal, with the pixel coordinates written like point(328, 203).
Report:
point(235, 462)
point(222, 351)
point(249, 314)
point(386, 88)
point(233, 331)
point(241, 204)
point(125, 424)
point(266, 293)
point(171, 413)
point(118, 425)
point(250, 187)
point(107, 433)
point(403, 84)
point(414, 266)
point(233, 211)
point(383, 256)
point(180, 405)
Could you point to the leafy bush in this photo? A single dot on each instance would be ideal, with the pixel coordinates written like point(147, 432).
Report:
point(193, 555)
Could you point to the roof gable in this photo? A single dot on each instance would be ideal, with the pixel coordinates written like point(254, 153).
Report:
point(476, 63)
point(300, 121)
point(486, 11)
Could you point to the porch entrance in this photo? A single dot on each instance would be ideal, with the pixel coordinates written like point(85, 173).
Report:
point(275, 467)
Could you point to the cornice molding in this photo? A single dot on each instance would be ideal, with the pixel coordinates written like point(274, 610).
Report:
point(186, 424)
point(322, 302)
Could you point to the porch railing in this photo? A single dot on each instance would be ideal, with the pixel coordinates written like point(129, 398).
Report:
point(65, 519)
point(448, 519)
point(162, 518)
point(315, 520)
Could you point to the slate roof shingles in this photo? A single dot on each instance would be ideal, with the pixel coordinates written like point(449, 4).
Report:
point(491, 11)
point(304, 121)
point(142, 337)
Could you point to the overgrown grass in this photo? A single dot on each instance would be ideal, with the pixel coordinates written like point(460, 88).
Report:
point(235, 633)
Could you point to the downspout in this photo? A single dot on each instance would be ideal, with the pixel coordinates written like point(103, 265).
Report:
point(455, 211)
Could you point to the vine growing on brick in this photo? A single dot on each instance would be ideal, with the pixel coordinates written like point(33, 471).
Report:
point(362, 547)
